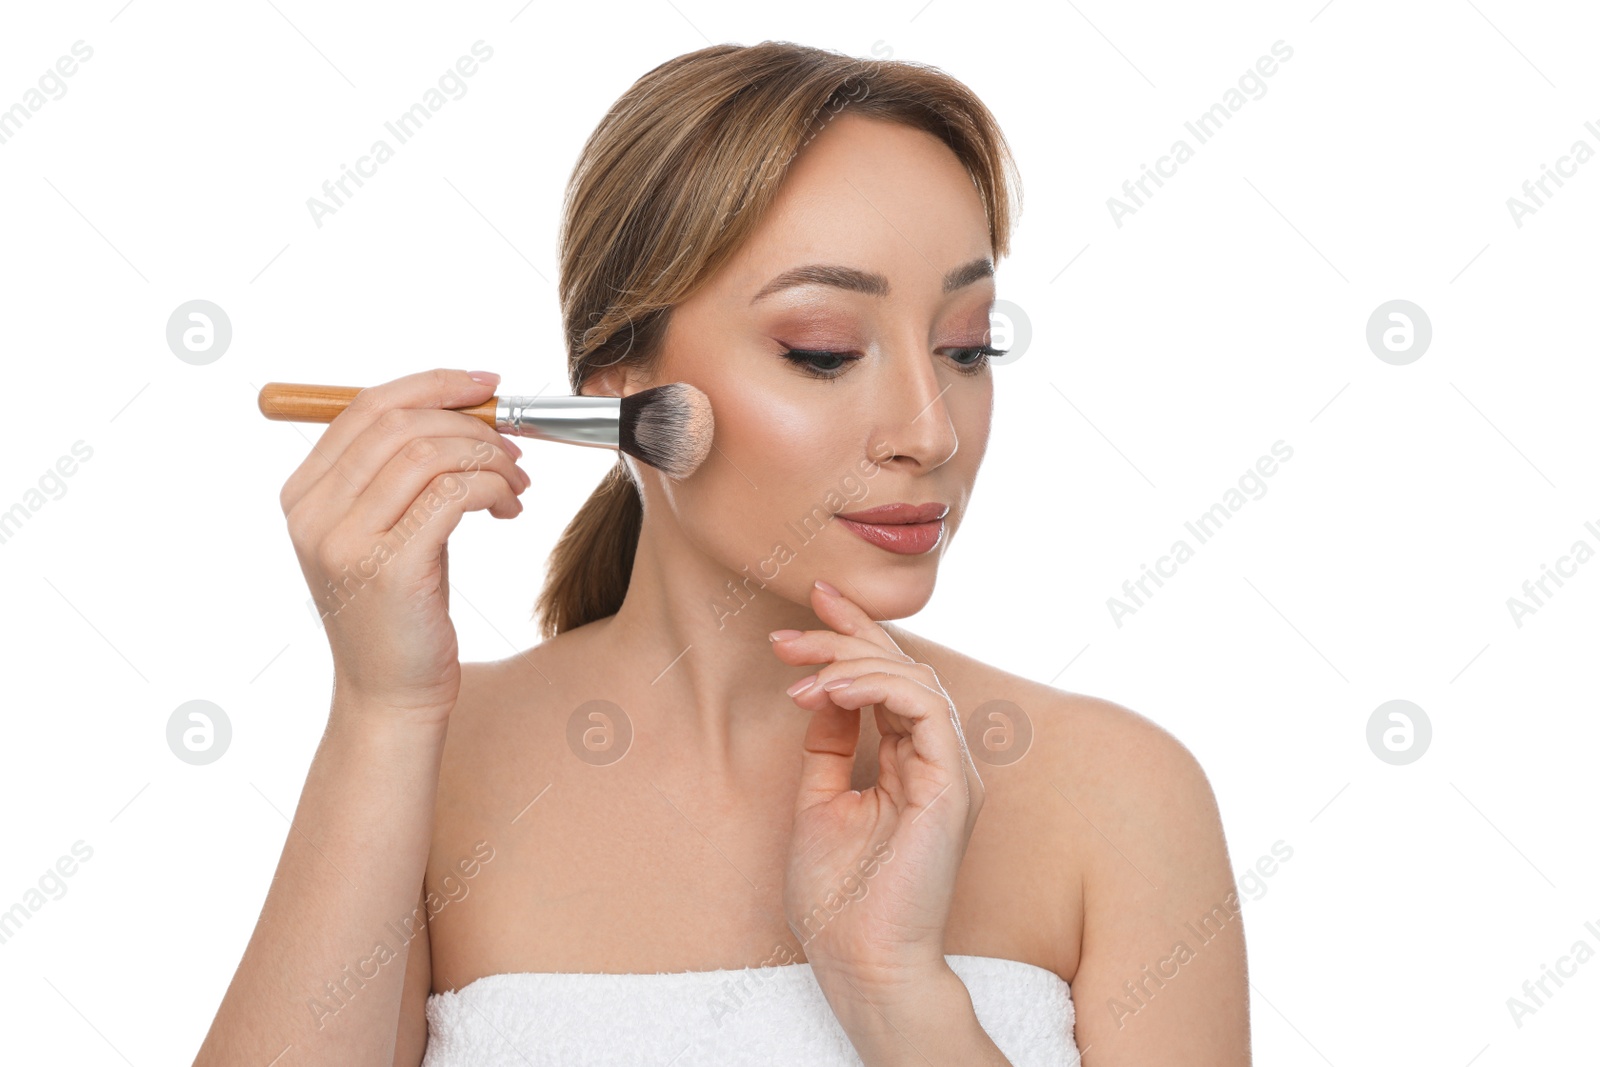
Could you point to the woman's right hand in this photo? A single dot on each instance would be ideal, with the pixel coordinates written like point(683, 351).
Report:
point(369, 512)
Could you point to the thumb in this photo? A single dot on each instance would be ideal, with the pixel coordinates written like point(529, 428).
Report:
point(828, 755)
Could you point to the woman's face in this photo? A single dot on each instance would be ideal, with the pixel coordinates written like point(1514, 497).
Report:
point(901, 415)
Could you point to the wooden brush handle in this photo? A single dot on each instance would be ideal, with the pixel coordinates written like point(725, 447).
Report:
point(292, 402)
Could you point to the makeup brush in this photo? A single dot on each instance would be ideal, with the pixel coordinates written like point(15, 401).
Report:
point(668, 427)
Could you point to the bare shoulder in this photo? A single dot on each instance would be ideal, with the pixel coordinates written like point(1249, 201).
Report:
point(1121, 823)
point(1124, 777)
point(518, 690)
point(504, 733)
point(503, 747)
point(1099, 742)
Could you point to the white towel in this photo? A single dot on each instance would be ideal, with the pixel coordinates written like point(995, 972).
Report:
point(758, 1016)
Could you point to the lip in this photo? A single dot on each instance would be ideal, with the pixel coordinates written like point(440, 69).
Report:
point(904, 529)
point(899, 514)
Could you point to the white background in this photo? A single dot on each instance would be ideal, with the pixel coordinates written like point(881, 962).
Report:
point(1167, 355)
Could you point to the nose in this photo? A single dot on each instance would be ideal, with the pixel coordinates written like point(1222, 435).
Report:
point(918, 425)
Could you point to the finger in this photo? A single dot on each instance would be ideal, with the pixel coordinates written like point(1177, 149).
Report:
point(975, 787)
point(827, 756)
point(438, 463)
point(843, 614)
point(424, 528)
point(438, 388)
point(385, 438)
point(892, 777)
point(825, 646)
point(813, 697)
point(939, 767)
point(910, 708)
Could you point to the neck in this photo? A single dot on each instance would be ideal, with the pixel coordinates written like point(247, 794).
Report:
point(692, 637)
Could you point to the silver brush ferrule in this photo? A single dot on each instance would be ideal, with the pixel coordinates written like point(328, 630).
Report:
point(579, 420)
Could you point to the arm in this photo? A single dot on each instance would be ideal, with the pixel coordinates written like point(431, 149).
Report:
point(411, 1040)
point(321, 978)
point(369, 512)
point(1161, 977)
point(930, 1023)
point(895, 849)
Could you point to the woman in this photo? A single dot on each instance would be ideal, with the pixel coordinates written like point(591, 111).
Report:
point(726, 812)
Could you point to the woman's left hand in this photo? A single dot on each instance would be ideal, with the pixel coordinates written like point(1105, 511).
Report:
point(871, 873)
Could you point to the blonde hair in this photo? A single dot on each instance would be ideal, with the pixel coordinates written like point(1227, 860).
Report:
point(672, 181)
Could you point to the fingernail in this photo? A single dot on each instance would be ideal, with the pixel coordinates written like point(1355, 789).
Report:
point(838, 683)
point(512, 447)
point(826, 588)
point(801, 686)
point(784, 635)
point(483, 377)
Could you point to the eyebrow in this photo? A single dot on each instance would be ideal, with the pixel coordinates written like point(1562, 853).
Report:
point(860, 281)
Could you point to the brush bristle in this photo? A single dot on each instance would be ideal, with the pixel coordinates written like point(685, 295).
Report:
point(668, 427)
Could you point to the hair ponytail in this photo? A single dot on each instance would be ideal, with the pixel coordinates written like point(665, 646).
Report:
point(589, 568)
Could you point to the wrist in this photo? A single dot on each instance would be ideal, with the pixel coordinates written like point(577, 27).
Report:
point(868, 1003)
point(355, 713)
point(905, 978)
point(911, 1020)
point(900, 988)
point(372, 697)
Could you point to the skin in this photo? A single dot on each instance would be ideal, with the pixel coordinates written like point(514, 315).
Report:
point(736, 806)
point(732, 811)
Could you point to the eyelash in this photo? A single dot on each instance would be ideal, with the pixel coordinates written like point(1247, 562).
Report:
point(801, 357)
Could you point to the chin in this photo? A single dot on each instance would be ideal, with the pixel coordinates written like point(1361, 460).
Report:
point(887, 593)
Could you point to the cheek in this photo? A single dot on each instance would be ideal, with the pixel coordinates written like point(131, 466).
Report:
point(767, 423)
point(785, 441)
point(776, 455)
point(973, 422)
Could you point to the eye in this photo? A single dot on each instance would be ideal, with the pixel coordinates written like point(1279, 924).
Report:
point(830, 365)
point(975, 359)
point(808, 359)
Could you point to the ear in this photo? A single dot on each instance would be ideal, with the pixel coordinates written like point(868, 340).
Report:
point(612, 381)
